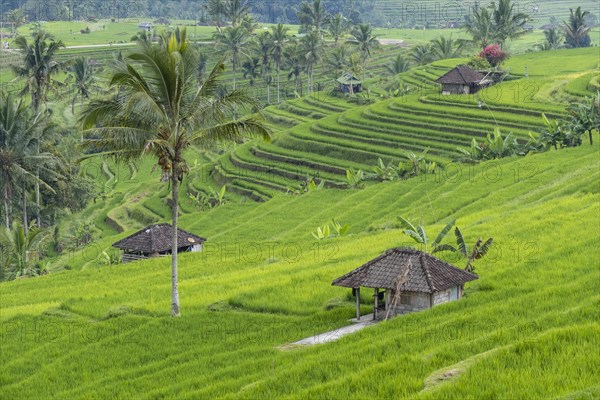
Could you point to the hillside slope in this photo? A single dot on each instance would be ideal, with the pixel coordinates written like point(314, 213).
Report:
point(528, 328)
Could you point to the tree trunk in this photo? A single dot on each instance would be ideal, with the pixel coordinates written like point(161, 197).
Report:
point(6, 212)
point(25, 218)
point(590, 133)
point(38, 217)
point(278, 91)
point(175, 307)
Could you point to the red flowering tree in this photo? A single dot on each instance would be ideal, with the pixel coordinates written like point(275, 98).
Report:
point(493, 54)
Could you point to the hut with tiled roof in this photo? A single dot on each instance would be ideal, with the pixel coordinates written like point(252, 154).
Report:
point(155, 241)
point(462, 80)
point(411, 280)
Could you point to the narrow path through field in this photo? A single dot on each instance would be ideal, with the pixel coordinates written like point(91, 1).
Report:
point(331, 336)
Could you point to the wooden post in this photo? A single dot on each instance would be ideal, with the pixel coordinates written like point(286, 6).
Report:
point(376, 295)
point(387, 299)
point(357, 293)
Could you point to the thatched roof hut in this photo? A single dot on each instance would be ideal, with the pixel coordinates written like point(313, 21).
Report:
point(349, 83)
point(461, 80)
point(156, 240)
point(412, 280)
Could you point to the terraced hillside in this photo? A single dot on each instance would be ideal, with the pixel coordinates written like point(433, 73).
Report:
point(322, 139)
point(435, 12)
point(528, 328)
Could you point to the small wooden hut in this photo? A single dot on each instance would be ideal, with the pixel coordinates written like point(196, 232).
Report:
point(411, 281)
point(156, 241)
point(348, 83)
point(461, 80)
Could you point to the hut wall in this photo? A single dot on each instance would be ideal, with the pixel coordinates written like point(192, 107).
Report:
point(451, 294)
point(410, 302)
point(448, 88)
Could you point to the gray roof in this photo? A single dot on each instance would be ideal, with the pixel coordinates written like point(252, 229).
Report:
point(157, 239)
point(461, 75)
point(348, 78)
point(425, 273)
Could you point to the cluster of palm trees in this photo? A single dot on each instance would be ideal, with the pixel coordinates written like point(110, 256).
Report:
point(274, 50)
point(573, 33)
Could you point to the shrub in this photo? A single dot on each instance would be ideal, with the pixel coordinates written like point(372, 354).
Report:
point(494, 55)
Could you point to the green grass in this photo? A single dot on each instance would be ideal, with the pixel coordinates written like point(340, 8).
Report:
point(532, 313)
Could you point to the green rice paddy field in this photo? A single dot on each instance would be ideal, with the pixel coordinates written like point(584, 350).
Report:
point(526, 329)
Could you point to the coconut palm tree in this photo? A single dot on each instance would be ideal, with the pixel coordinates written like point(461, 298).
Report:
point(263, 48)
point(81, 75)
point(363, 39)
point(161, 111)
point(576, 31)
point(421, 54)
point(338, 60)
point(21, 132)
point(16, 19)
point(295, 63)
point(479, 25)
point(235, 11)
point(39, 65)
point(442, 48)
point(312, 16)
point(233, 41)
point(507, 23)
point(398, 65)
point(252, 70)
point(312, 47)
point(337, 26)
point(554, 39)
point(279, 39)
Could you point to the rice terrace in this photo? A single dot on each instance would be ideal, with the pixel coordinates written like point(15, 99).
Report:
point(300, 199)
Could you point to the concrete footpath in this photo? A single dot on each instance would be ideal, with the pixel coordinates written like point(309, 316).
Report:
point(366, 320)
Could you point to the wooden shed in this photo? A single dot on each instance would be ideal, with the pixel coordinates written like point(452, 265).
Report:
point(156, 241)
point(348, 83)
point(461, 80)
point(406, 280)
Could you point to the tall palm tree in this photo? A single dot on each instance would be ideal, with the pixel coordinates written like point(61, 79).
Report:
point(21, 132)
point(398, 65)
point(479, 25)
point(554, 39)
point(251, 70)
point(295, 63)
point(39, 65)
point(507, 22)
point(279, 39)
point(576, 31)
point(216, 9)
point(312, 47)
point(338, 60)
point(235, 10)
point(232, 41)
point(442, 48)
point(162, 111)
point(337, 26)
point(363, 39)
point(16, 19)
point(312, 16)
point(81, 74)
point(264, 48)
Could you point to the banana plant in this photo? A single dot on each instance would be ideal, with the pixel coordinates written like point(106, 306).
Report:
point(340, 230)
point(478, 251)
point(385, 172)
point(355, 178)
point(322, 233)
point(419, 235)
